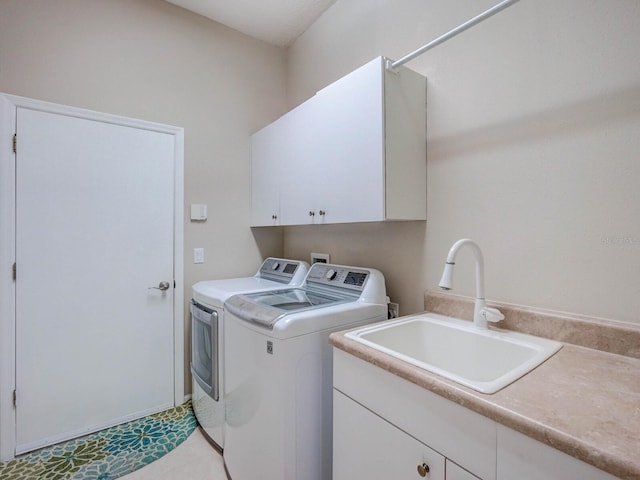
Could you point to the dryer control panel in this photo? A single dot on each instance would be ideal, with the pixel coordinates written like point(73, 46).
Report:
point(283, 270)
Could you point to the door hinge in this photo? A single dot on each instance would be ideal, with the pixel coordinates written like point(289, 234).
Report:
point(15, 399)
point(15, 143)
point(14, 271)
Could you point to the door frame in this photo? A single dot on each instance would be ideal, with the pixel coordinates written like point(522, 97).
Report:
point(8, 108)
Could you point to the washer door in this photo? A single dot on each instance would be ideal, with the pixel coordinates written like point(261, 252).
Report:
point(266, 308)
point(293, 300)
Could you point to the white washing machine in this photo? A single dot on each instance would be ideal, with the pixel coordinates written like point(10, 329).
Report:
point(207, 335)
point(279, 371)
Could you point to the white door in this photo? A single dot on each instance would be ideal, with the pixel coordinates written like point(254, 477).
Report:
point(94, 231)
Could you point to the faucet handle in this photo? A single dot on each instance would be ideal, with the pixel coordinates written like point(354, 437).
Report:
point(491, 314)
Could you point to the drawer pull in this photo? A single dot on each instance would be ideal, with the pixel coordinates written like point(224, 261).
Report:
point(423, 469)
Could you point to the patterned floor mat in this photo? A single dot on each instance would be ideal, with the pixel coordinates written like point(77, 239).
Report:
point(107, 454)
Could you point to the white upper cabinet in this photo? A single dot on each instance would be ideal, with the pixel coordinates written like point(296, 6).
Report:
point(278, 172)
point(355, 152)
point(298, 193)
point(267, 150)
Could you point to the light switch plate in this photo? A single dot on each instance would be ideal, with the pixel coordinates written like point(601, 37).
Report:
point(198, 212)
point(198, 255)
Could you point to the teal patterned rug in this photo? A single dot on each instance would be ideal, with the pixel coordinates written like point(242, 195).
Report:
point(107, 454)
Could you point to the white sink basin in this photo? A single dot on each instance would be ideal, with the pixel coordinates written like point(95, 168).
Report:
point(484, 360)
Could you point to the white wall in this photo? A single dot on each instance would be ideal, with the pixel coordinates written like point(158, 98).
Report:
point(533, 144)
point(149, 59)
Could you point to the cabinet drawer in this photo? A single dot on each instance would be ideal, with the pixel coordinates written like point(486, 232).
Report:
point(367, 446)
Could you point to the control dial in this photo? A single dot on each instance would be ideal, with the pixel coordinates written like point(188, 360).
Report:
point(275, 266)
point(331, 274)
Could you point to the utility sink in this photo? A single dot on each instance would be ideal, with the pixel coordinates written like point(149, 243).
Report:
point(482, 359)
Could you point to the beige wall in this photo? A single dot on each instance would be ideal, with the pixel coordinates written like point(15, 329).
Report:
point(533, 148)
point(151, 60)
point(533, 132)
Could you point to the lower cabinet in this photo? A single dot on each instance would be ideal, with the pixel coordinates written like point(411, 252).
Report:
point(523, 458)
point(366, 446)
point(385, 428)
point(456, 472)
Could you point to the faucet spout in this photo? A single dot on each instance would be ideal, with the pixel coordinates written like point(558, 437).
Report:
point(481, 313)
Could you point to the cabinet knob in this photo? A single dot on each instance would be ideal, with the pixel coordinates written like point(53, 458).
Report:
point(274, 217)
point(312, 213)
point(423, 469)
point(322, 212)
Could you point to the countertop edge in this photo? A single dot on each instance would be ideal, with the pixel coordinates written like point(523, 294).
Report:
point(482, 404)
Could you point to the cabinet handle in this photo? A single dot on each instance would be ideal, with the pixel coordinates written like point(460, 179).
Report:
point(322, 213)
point(312, 213)
point(423, 469)
point(274, 217)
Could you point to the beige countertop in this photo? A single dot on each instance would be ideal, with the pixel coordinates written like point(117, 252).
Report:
point(582, 401)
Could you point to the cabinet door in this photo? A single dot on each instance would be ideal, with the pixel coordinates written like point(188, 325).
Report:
point(268, 151)
point(455, 472)
point(524, 458)
point(348, 163)
point(300, 169)
point(464, 436)
point(367, 446)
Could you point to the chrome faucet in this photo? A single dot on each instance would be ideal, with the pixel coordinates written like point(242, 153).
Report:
point(481, 313)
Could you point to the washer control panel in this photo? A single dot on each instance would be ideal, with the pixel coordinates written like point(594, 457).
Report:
point(338, 275)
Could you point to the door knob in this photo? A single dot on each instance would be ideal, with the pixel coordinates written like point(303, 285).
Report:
point(161, 286)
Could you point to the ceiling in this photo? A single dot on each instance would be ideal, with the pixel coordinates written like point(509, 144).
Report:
point(278, 22)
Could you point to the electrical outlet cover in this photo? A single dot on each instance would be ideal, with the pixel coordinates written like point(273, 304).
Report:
point(320, 258)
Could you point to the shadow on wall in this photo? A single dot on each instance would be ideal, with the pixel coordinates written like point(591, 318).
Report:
point(269, 241)
point(397, 249)
point(562, 120)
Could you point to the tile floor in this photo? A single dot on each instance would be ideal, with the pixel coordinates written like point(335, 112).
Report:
point(193, 459)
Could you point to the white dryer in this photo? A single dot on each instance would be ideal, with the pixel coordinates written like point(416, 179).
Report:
point(207, 335)
point(279, 371)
